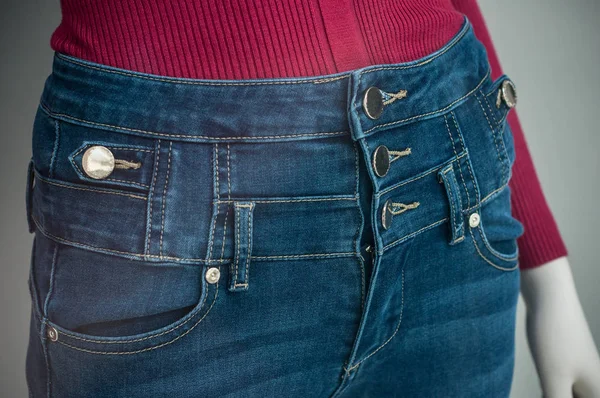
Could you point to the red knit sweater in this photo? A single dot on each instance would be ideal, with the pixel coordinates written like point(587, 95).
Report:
point(244, 39)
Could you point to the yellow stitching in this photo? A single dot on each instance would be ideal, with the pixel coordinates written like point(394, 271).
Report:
point(149, 348)
point(100, 249)
point(215, 215)
point(94, 190)
point(493, 136)
point(151, 199)
point(266, 137)
point(413, 234)
point(249, 243)
point(488, 261)
point(462, 177)
point(237, 242)
point(413, 179)
point(311, 255)
point(191, 316)
point(429, 113)
point(395, 331)
point(164, 200)
point(460, 137)
point(295, 200)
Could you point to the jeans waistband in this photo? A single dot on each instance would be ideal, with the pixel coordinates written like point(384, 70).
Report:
point(278, 109)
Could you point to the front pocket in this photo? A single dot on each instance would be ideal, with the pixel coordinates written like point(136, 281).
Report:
point(494, 232)
point(104, 304)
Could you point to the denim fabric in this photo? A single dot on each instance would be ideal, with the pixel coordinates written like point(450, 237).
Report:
point(272, 182)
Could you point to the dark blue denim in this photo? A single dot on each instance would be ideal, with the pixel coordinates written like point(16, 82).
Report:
point(272, 182)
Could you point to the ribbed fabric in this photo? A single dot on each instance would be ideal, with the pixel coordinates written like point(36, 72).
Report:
point(235, 39)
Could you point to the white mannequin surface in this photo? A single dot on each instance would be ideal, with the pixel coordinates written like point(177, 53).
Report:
point(564, 352)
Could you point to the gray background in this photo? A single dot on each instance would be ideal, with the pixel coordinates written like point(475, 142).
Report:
point(550, 50)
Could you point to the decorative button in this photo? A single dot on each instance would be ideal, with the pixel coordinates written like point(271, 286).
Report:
point(373, 102)
point(212, 275)
point(98, 162)
point(508, 91)
point(52, 333)
point(386, 214)
point(381, 160)
point(474, 220)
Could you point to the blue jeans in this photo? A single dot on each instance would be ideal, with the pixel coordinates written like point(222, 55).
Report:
point(346, 235)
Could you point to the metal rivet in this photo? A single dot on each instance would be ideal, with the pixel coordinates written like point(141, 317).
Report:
point(381, 160)
point(98, 162)
point(509, 93)
point(386, 214)
point(373, 102)
point(52, 333)
point(474, 220)
point(212, 275)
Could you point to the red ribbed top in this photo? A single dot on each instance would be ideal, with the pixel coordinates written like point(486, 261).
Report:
point(236, 39)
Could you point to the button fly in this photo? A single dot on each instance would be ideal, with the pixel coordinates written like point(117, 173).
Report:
point(381, 160)
point(373, 102)
point(98, 162)
point(386, 214)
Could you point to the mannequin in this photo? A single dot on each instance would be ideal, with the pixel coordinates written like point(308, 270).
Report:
point(559, 337)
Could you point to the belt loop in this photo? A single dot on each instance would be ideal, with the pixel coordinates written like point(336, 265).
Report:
point(29, 195)
point(446, 175)
point(243, 214)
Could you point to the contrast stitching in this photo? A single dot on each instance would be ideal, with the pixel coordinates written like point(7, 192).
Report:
point(51, 283)
point(249, 243)
point(82, 174)
point(150, 348)
point(487, 197)
point(413, 179)
point(413, 234)
point(164, 200)
point(191, 316)
point(237, 242)
point(215, 214)
point(485, 258)
point(493, 136)
point(258, 137)
point(295, 200)
point(459, 166)
point(95, 190)
point(55, 149)
point(460, 137)
point(227, 207)
point(150, 200)
point(429, 113)
point(201, 83)
point(392, 336)
point(102, 249)
point(310, 255)
point(360, 224)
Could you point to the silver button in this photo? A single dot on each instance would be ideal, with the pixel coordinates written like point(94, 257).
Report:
point(212, 275)
point(386, 214)
point(52, 333)
point(381, 160)
point(509, 93)
point(98, 162)
point(373, 102)
point(474, 220)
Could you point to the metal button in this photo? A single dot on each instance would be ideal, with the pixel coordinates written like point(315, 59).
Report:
point(52, 333)
point(212, 275)
point(373, 102)
point(381, 160)
point(509, 93)
point(474, 220)
point(386, 214)
point(98, 162)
